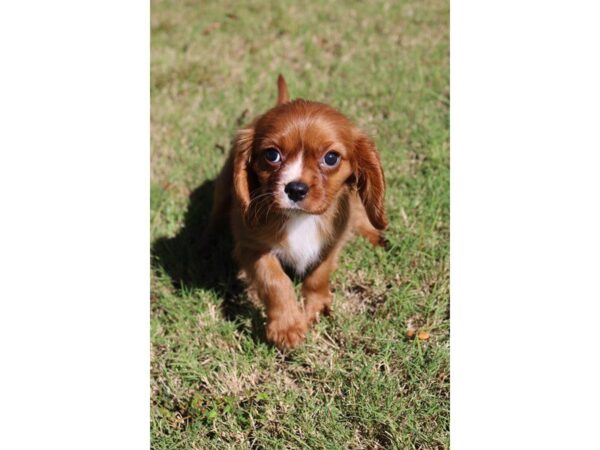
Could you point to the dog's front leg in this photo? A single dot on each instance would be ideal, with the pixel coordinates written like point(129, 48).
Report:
point(315, 288)
point(286, 324)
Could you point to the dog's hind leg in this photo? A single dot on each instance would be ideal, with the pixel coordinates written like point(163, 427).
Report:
point(365, 228)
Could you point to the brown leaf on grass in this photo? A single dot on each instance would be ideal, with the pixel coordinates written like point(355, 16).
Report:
point(413, 324)
point(423, 335)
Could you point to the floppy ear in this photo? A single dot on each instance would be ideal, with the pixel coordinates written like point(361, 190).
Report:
point(242, 151)
point(370, 181)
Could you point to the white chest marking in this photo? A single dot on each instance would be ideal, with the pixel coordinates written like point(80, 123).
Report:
point(303, 244)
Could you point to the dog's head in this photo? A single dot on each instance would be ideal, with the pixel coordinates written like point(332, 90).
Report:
point(297, 156)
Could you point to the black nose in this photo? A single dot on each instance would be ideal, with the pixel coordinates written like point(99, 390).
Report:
point(296, 190)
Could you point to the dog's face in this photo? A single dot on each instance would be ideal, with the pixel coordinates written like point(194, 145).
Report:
point(299, 155)
point(302, 155)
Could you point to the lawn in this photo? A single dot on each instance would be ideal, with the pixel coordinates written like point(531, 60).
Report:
point(360, 380)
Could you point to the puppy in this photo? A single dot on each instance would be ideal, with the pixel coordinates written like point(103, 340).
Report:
point(299, 180)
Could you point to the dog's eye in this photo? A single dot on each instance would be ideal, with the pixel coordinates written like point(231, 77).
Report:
point(331, 159)
point(272, 155)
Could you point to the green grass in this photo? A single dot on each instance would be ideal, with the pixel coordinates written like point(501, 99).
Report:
point(358, 381)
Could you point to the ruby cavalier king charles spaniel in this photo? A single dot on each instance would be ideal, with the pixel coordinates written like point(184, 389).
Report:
point(300, 180)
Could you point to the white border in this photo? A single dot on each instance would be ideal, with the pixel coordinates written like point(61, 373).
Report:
point(74, 189)
point(74, 154)
point(525, 227)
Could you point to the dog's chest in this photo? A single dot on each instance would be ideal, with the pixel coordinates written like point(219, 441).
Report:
point(302, 243)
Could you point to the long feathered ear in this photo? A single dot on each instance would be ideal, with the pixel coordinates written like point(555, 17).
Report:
point(370, 181)
point(242, 152)
point(282, 91)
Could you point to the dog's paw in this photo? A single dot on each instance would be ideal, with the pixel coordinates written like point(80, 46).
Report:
point(383, 242)
point(316, 306)
point(378, 239)
point(287, 331)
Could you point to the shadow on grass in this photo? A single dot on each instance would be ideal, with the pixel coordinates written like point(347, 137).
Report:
point(211, 267)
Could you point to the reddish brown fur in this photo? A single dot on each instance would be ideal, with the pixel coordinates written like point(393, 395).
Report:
point(347, 197)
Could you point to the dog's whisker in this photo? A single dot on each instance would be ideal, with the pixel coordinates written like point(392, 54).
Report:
point(260, 203)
